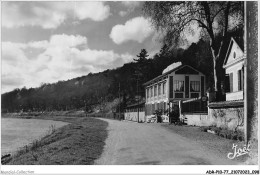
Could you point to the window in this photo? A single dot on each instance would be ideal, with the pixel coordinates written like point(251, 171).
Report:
point(147, 93)
point(178, 86)
point(164, 88)
point(240, 80)
point(227, 83)
point(195, 86)
point(151, 91)
point(159, 89)
point(178, 95)
point(231, 82)
point(194, 95)
point(155, 90)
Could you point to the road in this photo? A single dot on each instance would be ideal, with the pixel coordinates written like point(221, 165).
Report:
point(130, 143)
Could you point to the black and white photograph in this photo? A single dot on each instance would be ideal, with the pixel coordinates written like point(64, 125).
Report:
point(141, 84)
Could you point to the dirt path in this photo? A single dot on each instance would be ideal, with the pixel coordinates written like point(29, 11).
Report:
point(140, 143)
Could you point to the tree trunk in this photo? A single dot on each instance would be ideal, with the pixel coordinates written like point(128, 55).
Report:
point(214, 59)
point(215, 74)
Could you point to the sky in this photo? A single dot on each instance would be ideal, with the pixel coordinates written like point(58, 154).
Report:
point(46, 42)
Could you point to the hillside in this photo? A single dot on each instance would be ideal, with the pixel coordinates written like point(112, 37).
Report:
point(96, 89)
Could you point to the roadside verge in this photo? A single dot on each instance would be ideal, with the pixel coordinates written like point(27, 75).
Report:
point(212, 142)
point(78, 143)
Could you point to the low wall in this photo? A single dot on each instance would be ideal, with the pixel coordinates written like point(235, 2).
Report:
point(227, 115)
point(152, 119)
point(229, 118)
point(133, 116)
point(197, 119)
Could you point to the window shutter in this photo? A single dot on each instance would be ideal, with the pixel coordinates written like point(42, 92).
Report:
point(239, 80)
point(153, 108)
point(202, 86)
point(187, 86)
point(242, 78)
point(227, 83)
point(231, 81)
point(171, 87)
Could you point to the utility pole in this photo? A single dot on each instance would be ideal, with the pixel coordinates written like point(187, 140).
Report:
point(137, 99)
point(137, 74)
point(85, 105)
point(119, 103)
point(245, 75)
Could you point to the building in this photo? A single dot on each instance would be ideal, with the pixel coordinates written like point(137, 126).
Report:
point(177, 83)
point(234, 67)
point(135, 112)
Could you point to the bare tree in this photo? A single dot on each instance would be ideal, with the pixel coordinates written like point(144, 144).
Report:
point(175, 19)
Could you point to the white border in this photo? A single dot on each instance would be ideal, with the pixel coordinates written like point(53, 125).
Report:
point(123, 169)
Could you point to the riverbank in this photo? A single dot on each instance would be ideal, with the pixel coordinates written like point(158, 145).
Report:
point(44, 114)
point(17, 132)
point(78, 143)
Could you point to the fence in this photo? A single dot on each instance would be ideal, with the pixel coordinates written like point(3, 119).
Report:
point(194, 106)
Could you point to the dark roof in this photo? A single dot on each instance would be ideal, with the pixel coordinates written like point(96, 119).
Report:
point(135, 105)
point(166, 73)
point(231, 42)
point(240, 42)
point(227, 104)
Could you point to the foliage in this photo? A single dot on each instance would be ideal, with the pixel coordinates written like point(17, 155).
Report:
point(177, 18)
point(142, 57)
point(97, 89)
point(85, 92)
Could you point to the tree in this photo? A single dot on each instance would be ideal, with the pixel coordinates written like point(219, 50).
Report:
point(142, 65)
point(142, 57)
point(215, 19)
point(141, 70)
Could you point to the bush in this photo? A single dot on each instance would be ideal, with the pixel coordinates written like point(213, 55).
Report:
point(216, 130)
point(234, 136)
point(204, 128)
point(223, 133)
point(229, 134)
point(241, 138)
point(239, 135)
point(35, 144)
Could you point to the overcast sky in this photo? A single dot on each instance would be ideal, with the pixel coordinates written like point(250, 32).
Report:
point(44, 42)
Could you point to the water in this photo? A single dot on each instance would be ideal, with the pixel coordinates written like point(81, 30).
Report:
point(16, 133)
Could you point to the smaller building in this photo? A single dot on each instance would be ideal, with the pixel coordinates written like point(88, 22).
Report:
point(234, 68)
point(229, 114)
point(135, 112)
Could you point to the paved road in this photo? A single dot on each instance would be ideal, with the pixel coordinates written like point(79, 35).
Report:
point(131, 143)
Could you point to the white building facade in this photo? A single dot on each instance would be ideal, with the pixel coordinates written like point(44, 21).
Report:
point(177, 83)
point(234, 68)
